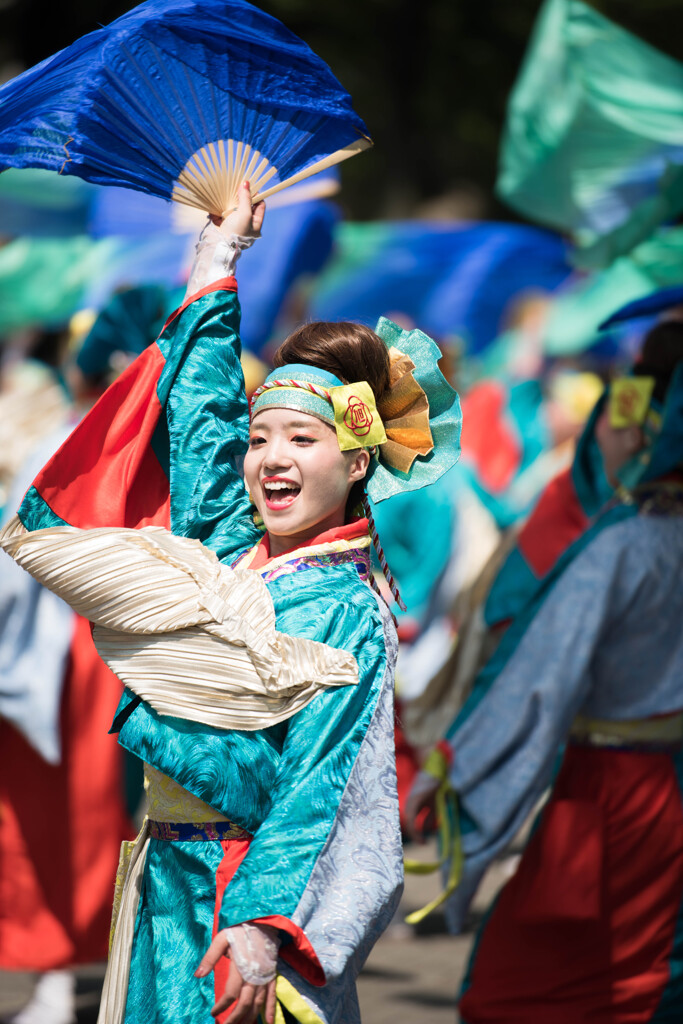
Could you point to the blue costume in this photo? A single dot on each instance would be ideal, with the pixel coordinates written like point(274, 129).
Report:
point(316, 792)
point(589, 927)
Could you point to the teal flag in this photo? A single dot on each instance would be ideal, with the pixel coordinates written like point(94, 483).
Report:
point(593, 144)
point(44, 281)
point(573, 325)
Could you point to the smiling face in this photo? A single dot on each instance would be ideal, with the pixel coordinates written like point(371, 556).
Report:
point(298, 478)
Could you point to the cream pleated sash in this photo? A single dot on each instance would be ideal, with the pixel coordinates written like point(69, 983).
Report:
point(189, 635)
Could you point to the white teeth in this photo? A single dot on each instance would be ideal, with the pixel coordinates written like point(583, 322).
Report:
point(279, 485)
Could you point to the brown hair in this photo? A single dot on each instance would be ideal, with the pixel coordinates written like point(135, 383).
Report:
point(661, 353)
point(350, 351)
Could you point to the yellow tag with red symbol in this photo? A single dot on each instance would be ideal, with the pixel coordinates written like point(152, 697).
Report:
point(356, 420)
point(629, 400)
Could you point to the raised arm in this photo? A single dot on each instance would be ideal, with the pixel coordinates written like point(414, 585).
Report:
point(163, 446)
point(201, 389)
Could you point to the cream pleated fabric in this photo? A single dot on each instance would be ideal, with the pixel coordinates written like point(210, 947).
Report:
point(189, 635)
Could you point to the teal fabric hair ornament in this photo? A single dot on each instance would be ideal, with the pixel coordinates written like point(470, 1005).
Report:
point(421, 415)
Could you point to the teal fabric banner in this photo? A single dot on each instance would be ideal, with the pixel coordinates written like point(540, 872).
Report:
point(592, 144)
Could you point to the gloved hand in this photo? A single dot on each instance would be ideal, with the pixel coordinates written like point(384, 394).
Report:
point(253, 950)
point(221, 242)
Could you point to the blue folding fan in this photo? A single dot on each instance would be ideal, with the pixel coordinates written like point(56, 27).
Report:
point(183, 99)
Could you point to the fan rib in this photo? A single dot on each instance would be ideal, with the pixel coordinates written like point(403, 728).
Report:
point(210, 180)
point(263, 180)
point(207, 175)
point(190, 121)
point(180, 146)
point(212, 186)
point(240, 163)
point(222, 159)
point(195, 190)
point(260, 174)
point(217, 176)
point(320, 165)
point(255, 155)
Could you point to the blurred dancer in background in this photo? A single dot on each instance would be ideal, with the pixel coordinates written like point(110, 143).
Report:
point(589, 926)
point(66, 787)
point(515, 438)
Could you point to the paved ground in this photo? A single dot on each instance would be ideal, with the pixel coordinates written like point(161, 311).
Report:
point(411, 976)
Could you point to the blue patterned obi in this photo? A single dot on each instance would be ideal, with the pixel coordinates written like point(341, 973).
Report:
point(189, 832)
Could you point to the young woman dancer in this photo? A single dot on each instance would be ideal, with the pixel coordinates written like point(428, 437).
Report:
point(258, 661)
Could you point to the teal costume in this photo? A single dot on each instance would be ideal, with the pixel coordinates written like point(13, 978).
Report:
point(316, 792)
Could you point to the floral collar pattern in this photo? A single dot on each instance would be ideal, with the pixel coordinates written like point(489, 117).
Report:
point(349, 544)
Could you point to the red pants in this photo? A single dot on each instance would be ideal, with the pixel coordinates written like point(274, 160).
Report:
point(61, 826)
point(585, 930)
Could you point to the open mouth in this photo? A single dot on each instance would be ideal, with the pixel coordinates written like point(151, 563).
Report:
point(280, 493)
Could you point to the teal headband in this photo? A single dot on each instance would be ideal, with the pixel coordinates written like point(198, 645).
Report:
point(297, 398)
point(349, 408)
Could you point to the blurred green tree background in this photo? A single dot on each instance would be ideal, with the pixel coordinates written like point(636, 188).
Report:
point(429, 77)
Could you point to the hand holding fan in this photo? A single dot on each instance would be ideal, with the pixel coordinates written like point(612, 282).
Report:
point(183, 99)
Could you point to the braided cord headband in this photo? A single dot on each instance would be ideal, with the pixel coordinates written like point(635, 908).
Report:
point(349, 408)
point(304, 385)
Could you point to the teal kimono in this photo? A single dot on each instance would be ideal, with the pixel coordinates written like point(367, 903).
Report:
point(310, 802)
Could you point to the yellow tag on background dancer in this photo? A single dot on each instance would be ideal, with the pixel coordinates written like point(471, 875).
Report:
point(629, 400)
point(356, 420)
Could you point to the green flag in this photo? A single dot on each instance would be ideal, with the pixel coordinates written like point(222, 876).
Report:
point(45, 280)
point(593, 144)
point(576, 316)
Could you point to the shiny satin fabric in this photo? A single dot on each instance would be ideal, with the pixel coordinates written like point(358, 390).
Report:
point(192, 637)
point(317, 791)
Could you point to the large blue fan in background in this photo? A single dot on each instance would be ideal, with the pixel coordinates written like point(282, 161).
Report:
point(450, 278)
point(183, 99)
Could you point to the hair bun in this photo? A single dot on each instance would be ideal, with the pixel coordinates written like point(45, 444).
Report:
point(350, 351)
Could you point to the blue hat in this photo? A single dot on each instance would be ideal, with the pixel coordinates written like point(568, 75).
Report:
point(648, 305)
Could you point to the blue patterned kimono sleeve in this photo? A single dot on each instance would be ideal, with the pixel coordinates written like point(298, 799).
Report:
point(506, 749)
point(203, 437)
point(328, 855)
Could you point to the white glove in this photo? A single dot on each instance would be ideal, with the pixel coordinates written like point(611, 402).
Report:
point(215, 258)
point(254, 949)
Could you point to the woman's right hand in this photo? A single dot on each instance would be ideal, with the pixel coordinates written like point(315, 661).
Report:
point(219, 244)
point(249, 1000)
point(245, 220)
